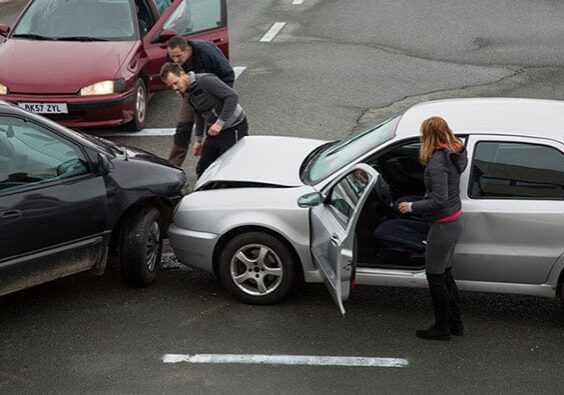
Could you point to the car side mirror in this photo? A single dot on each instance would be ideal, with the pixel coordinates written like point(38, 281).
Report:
point(4, 29)
point(102, 166)
point(310, 200)
point(166, 35)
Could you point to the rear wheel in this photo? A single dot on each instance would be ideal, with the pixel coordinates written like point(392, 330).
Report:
point(140, 108)
point(141, 249)
point(257, 268)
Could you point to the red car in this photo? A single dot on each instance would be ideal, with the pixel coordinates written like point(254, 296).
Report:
point(94, 63)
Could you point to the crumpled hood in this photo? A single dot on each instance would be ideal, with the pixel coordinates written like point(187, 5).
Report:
point(262, 159)
point(59, 67)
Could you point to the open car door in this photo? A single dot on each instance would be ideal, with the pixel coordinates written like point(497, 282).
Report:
point(333, 226)
point(192, 19)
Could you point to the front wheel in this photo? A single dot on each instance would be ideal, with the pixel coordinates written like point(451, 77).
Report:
point(140, 109)
point(257, 268)
point(141, 249)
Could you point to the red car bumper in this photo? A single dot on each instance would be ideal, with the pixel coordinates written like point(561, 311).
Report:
point(85, 112)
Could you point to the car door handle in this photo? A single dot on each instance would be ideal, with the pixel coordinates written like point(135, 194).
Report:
point(217, 40)
point(10, 214)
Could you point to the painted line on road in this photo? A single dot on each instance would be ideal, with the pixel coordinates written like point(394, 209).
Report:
point(272, 32)
point(151, 132)
point(142, 133)
point(239, 70)
point(310, 360)
point(298, 2)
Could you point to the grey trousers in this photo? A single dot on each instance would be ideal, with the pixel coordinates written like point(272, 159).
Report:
point(441, 241)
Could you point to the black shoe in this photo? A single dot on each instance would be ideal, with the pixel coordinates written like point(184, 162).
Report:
point(433, 333)
point(456, 328)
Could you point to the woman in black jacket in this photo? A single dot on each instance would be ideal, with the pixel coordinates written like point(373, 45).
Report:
point(444, 158)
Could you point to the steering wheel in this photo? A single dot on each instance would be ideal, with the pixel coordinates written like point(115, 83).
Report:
point(71, 167)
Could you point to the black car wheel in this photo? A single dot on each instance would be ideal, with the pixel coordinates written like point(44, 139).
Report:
point(140, 109)
point(141, 249)
point(257, 268)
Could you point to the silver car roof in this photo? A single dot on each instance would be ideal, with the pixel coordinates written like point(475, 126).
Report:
point(511, 116)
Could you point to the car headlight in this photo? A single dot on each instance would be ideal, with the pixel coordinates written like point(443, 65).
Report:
point(3, 89)
point(99, 88)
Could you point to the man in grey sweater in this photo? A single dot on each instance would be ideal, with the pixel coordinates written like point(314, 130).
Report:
point(216, 108)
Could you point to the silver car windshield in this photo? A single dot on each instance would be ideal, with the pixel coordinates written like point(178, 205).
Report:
point(77, 20)
point(336, 156)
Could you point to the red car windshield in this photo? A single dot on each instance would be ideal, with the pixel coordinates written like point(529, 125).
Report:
point(87, 20)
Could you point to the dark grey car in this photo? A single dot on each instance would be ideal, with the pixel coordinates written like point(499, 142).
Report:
point(68, 200)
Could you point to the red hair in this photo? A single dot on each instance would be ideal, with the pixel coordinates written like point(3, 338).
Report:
point(436, 134)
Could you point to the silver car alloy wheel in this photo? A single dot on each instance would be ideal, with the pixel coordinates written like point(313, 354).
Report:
point(256, 269)
point(140, 103)
point(153, 245)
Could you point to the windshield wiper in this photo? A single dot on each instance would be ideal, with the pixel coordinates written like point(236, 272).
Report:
point(80, 38)
point(33, 36)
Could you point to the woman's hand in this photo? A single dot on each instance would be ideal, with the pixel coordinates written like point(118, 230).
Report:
point(405, 207)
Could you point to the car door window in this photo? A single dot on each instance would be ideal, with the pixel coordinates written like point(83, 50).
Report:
point(195, 16)
point(517, 170)
point(31, 155)
point(346, 194)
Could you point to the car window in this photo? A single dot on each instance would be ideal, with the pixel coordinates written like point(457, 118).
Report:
point(30, 155)
point(339, 155)
point(516, 170)
point(162, 5)
point(194, 16)
point(346, 194)
point(78, 19)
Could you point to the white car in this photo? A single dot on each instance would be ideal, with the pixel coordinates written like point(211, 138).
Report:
point(276, 209)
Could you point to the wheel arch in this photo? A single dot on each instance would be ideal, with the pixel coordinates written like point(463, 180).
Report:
point(121, 224)
point(228, 236)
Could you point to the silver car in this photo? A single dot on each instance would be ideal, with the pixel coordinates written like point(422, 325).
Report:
point(273, 210)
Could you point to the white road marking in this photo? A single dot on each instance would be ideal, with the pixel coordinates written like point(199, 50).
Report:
point(287, 360)
point(154, 131)
point(272, 32)
point(239, 70)
point(298, 2)
point(142, 133)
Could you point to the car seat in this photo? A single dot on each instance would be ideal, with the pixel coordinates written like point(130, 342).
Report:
point(406, 235)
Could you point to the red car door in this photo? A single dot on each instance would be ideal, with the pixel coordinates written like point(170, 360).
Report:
point(193, 19)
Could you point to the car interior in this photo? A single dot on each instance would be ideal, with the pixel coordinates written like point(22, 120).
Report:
point(385, 237)
point(28, 156)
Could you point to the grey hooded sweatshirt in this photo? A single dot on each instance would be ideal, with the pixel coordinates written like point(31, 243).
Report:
point(442, 182)
point(213, 101)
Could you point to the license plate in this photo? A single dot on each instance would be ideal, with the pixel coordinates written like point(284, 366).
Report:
point(45, 108)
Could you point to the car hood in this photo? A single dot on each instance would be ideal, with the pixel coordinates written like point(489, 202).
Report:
point(59, 67)
point(262, 159)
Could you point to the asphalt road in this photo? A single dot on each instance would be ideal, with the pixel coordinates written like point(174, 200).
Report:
point(334, 67)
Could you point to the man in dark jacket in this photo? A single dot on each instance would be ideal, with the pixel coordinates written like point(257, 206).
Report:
point(215, 104)
point(198, 57)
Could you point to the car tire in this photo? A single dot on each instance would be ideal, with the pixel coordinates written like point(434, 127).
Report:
point(266, 280)
point(139, 109)
point(561, 295)
point(141, 249)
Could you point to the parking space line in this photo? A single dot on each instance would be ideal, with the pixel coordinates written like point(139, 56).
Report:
point(310, 360)
point(239, 70)
point(298, 2)
point(141, 133)
point(272, 32)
